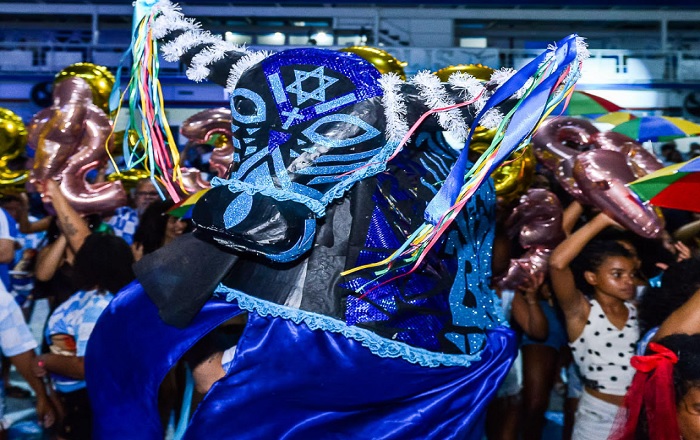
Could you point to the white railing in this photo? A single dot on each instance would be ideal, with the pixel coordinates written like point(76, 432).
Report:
point(603, 67)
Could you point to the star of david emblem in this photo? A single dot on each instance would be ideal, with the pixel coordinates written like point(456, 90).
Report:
point(319, 94)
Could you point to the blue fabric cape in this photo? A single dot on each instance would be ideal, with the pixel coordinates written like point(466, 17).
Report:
point(286, 381)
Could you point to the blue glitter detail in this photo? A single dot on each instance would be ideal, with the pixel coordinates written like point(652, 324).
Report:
point(234, 128)
point(376, 344)
point(443, 166)
point(301, 142)
point(293, 153)
point(280, 170)
point(381, 241)
point(322, 180)
point(306, 191)
point(335, 103)
point(248, 140)
point(346, 157)
point(236, 157)
point(443, 170)
point(309, 150)
point(301, 246)
point(249, 163)
point(291, 116)
point(259, 115)
point(249, 151)
point(252, 130)
point(427, 167)
point(361, 73)
point(319, 93)
point(335, 169)
point(277, 88)
point(313, 136)
point(237, 210)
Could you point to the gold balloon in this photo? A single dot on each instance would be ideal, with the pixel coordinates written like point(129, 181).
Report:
point(515, 175)
point(132, 139)
point(129, 178)
point(381, 59)
point(99, 78)
point(13, 139)
point(478, 71)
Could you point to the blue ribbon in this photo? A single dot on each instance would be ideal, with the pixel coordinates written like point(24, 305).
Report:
point(521, 124)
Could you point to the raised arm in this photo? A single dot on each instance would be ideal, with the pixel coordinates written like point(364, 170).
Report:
point(72, 225)
point(527, 311)
point(686, 319)
point(571, 215)
point(571, 300)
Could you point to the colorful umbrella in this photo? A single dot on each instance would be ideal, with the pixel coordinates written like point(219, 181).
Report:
point(657, 128)
point(616, 118)
point(583, 103)
point(676, 186)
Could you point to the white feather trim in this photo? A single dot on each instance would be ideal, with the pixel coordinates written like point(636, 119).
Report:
point(435, 96)
point(467, 86)
point(491, 119)
point(394, 107)
point(246, 62)
point(199, 67)
point(173, 50)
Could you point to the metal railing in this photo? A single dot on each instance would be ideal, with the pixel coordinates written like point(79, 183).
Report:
point(604, 66)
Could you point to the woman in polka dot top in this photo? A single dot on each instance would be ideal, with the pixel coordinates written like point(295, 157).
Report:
point(602, 327)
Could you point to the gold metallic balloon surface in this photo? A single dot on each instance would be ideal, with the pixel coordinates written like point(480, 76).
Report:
point(478, 71)
point(99, 78)
point(381, 59)
point(515, 175)
point(13, 138)
point(129, 178)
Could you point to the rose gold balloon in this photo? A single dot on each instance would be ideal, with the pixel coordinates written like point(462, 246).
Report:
point(537, 219)
point(54, 132)
point(534, 261)
point(203, 127)
point(556, 144)
point(70, 138)
point(638, 159)
point(602, 176)
point(193, 181)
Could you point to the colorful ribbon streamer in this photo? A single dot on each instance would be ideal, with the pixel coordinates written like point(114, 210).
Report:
point(553, 75)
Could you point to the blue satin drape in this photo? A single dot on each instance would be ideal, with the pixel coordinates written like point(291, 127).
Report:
point(286, 381)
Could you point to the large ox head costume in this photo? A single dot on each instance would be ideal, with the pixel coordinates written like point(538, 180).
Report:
point(319, 186)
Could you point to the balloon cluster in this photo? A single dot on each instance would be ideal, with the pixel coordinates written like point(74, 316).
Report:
point(13, 138)
point(71, 138)
point(538, 221)
point(595, 168)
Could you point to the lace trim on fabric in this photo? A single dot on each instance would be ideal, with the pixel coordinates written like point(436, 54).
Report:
point(380, 346)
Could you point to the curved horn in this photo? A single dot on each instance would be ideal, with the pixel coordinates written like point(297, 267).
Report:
point(206, 56)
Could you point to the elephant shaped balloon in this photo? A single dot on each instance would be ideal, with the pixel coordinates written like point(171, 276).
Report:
point(596, 167)
point(71, 138)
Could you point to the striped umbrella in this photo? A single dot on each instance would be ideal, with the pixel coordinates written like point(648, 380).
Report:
point(585, 104)
point(657, 128)
point(616, 118)
point(676, 186)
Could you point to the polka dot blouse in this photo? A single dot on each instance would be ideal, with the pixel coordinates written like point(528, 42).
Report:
point(603, 351)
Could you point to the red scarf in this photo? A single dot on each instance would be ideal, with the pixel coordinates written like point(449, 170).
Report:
point(652, 387)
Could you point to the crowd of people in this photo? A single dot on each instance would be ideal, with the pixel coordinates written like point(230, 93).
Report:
point(77, 264)
point(618, 314)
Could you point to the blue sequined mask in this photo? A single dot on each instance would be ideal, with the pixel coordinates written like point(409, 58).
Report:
point(304, 128)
